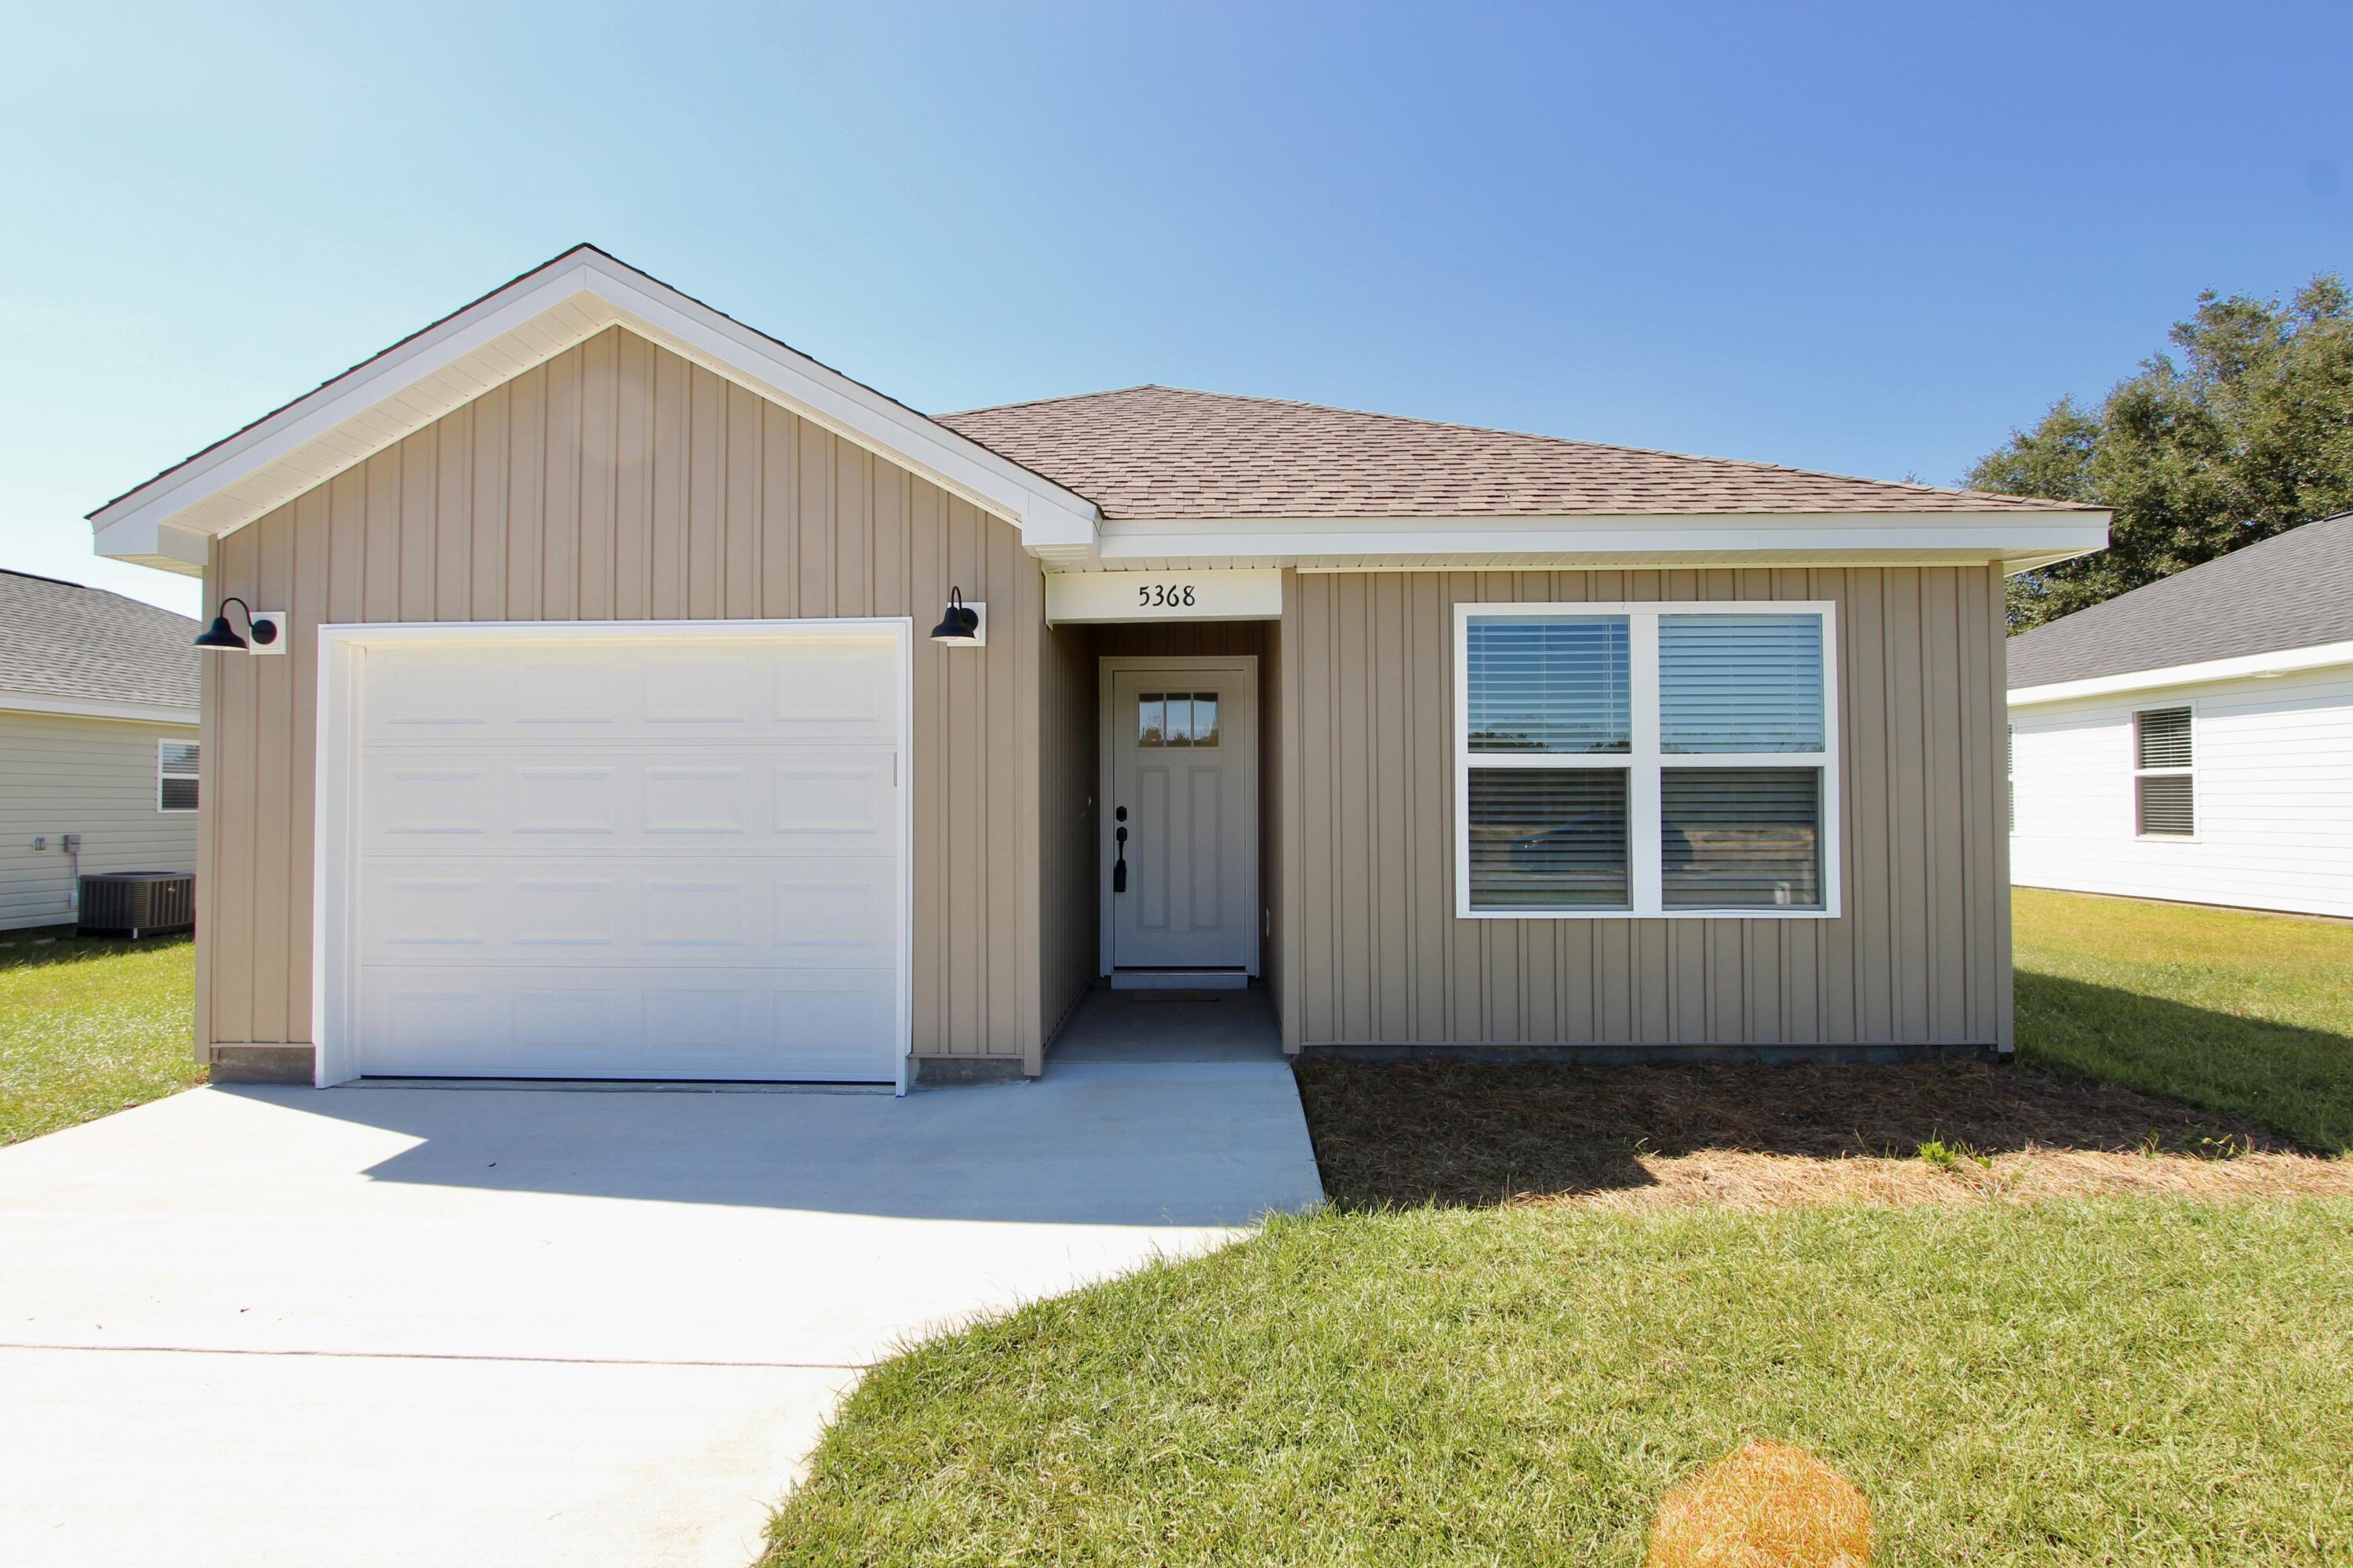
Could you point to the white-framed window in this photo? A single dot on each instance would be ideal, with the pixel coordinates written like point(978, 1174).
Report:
point(2164, 790)
point(175, 775)
point(2010, 775)
point(1661, 760)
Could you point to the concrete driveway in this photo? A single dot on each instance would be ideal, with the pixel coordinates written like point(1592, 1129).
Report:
point(457, 1326)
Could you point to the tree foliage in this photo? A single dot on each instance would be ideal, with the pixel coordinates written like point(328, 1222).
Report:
point(2243, 431)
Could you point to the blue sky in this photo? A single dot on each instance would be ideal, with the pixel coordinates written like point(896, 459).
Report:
point(1866, 238)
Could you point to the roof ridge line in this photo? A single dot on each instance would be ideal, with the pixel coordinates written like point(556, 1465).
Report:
point(1059, 398)
point(1751, 464)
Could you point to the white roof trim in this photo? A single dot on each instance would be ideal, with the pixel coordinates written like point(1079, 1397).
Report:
point(2243, 666)
point(88, 707)
point(168, 521)
point(2021, 541)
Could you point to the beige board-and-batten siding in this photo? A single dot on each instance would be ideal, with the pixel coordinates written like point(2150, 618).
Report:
point(619, 482)
point(1374, 953)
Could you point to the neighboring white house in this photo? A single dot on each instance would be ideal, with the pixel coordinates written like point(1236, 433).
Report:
point(2193, 739)
point(98, 742)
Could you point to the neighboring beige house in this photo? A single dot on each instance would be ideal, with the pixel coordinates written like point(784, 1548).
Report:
point(610, 736)
point(98, 742)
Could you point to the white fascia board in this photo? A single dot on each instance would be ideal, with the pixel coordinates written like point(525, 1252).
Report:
point(165, 522)
point(86, 707)
point(2039, 537)
point(2245, 666)
point(133, 525)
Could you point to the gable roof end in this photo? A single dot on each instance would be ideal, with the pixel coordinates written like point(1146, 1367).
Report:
point(168, 520)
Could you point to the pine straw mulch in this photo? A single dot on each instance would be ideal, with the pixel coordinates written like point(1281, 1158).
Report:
point(1484, 1135)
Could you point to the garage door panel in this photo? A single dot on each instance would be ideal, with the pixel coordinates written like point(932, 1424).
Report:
point(774, 912)
point(836, 801)
point(529, 800)
point(840, 689)
point(814, 1025)
point(633, 859)
point(834, 694)
point(416, 801)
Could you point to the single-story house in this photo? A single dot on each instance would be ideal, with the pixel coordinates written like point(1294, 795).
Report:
point(98, 753)
point(610, 733)
point(2193, 739)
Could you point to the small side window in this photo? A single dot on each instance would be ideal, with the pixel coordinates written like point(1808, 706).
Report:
point(2165, 791)
point(175, 775)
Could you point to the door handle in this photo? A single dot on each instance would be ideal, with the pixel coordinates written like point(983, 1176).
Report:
point(1119, 867)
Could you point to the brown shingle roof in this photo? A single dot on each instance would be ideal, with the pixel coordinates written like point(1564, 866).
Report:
point(1163, 451)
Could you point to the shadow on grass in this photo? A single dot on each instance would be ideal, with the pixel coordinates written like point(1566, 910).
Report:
point(2298, 1082)
point(41, 944)
point(1477, 1135)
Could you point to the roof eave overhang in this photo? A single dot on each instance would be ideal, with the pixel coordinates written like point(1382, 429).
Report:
point(2019, 541)
point(46, 704)
point(169, 521)
point(2239, 667)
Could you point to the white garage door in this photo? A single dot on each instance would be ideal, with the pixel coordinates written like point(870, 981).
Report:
point(631, 858)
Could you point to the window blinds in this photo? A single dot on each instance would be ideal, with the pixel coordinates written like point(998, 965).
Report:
point(1740, 682)
point(1741, 838)
point(2163, 734)
point(1554, 685)
point(2169, 806)
point(1547, 838)
point(2165, 799)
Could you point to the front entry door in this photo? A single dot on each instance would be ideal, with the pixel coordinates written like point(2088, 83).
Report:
point(1184, 772)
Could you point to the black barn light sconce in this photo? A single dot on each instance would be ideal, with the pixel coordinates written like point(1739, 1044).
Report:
point(964, 625)
point(262, 628)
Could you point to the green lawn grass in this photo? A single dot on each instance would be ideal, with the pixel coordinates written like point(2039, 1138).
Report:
point(2122, 1382)
point(2229, 1010)
point(2116, 1381)
point(88, 1027)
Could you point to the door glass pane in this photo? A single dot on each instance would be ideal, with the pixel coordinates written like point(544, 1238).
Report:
point(1547, 838)
point(1151, 720)
point(1741, 838)
point(1205, 718)
point(1180, 719)
point(1548, 683)
point(1740, 682)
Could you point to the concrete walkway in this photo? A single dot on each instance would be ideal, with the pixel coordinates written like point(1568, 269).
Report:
point(403, 1325)
point(1169, 1026)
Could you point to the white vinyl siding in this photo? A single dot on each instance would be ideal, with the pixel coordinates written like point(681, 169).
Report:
point(96, 778)
point(2271, 767)
point(1649, 759)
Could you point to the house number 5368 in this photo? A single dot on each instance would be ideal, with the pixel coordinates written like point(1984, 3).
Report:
point(1164, 596)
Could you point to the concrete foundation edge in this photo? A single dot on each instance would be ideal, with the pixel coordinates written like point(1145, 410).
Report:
point(263, 1064)
point(941, 1072)
point(1652, 1055)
